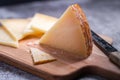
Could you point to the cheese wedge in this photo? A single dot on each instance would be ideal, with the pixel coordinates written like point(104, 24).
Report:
point(70, 33)
point(40, 57)
point(40, 24)
point(6, 39)
point(15, 27)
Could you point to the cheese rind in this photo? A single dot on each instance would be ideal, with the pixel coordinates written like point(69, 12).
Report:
point(15, 27)
point(40, 57)
point(6, 39)
point(40, 24)
point(70, 33)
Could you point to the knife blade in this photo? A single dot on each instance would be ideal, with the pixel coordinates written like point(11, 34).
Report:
point(108, 49)
point(0, 24)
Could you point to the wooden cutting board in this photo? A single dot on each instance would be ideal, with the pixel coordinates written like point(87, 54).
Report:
point(62, 69)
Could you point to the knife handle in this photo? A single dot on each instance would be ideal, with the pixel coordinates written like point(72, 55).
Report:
point(115, 58)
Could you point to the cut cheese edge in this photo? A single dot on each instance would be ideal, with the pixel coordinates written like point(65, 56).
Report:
point(40, 24)
point(6, 39)
point(15, 27)
point(70, 33)
point(40, 57)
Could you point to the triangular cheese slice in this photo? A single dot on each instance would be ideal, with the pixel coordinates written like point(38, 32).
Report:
point(15, 27)
point(40, 24)
point(70, 33)
point(6, 39)
point(40, 57)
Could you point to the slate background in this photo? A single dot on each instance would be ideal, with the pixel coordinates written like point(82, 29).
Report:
point(103, 17)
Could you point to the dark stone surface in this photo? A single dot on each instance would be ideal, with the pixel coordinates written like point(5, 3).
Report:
point(103, 16)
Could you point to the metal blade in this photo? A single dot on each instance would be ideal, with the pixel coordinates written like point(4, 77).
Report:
point(0, 24)
point(102, 44)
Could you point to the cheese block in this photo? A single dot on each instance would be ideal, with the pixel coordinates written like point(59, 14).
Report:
point(40, 57)
point(70, 33)
point(6, 39)
point(15, 27)
point(40, 24)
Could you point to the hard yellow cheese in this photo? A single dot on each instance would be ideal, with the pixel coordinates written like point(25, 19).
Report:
point(70, 33)
point(40, 24)
point(15, 27)
point(40, 57)
point(6, 39)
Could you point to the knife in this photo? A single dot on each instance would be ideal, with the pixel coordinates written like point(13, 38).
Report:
point(108, 49)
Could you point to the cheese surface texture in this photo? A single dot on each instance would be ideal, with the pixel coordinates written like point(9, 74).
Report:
point(15, 27)
point(6, 39)
point(40, 24)
point(70, 33)
point(40, 57)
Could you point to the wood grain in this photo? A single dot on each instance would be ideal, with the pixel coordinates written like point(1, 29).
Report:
point(62, 69)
